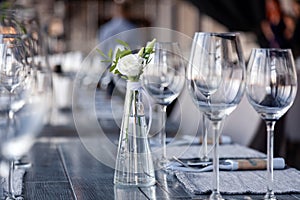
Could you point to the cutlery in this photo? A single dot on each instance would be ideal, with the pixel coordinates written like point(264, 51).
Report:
point(228, 164)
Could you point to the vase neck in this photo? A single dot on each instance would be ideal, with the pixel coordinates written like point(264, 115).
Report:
point(132, 85)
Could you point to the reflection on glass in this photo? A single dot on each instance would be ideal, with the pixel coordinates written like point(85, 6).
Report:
point(216, 75)
point(163, 79)
point(271, 90)
point(135, 193)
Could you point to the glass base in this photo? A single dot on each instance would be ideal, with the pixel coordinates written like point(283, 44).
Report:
point(215, 196)
point(13, 197)
point(270, 196)
point(205, 159)
point(163, 162)
point(22, 165)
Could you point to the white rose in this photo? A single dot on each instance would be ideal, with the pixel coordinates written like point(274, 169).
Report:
point(130, 65)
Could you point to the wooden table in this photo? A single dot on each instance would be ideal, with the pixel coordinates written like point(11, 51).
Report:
point(63, 169)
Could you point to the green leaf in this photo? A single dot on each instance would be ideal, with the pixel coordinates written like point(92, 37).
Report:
point(124, 77)
point(101, 53)
point(110, 54)
point(118, 54)
point(126, 45)
point(125, 53)
point(151, 44)
point(117, 72)
point(141, 52)
point(148, 61)
point(107, 61)
point(112, 68)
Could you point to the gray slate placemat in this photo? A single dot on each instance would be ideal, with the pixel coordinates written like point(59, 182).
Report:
point(241, 182)
point(225, 151)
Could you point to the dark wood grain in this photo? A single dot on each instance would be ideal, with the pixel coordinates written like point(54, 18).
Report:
point(296, 196)
point(46, 164)
point(96, 188)
point(79, 161)
point(65, 170)
point(89, 178)
point(48, 190)
point(46, 179)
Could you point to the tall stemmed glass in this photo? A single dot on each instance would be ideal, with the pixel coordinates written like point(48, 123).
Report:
point(164, 79)
point(271, 89)
point(14, 68)
point(13, 73)
point(22, 26)
point(26, 105)
point(216, 76)
point(209, 79)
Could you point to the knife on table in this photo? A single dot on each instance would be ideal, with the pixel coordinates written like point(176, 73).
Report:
point(229, 164)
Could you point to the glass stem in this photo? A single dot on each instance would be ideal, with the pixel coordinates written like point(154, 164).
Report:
point(162, 133)
point(11, 192)
point(270, 145)
point(204, 156)
point(11, 118)
point(216, 190)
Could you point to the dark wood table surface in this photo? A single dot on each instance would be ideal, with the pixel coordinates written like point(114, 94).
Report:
point(64, 169)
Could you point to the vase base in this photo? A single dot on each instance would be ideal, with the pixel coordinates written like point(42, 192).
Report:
point(134, 179)
point(270, 196)
point(134, 184)
point(215, 196)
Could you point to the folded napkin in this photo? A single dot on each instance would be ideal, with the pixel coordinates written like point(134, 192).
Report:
point(225, 151)
point(241, 182)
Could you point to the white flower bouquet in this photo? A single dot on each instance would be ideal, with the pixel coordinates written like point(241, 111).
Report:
point(130, 66)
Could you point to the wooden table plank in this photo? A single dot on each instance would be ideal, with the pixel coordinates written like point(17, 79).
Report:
point(90, 179)
point(48, 190)
point(46, 164)
point(84, 178)
point(87, 188)
point(296, 196)
point(79, 161)
point(46, 179)
point(67, 171)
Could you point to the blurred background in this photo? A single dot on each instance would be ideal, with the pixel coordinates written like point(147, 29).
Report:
point(72, 28)
point(73, 25)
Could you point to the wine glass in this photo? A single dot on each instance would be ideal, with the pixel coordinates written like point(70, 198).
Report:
point(163, 79)
point(271, 89)
point(216, 76)
point(35, 55)
point(18, 70)
point(35, 40)
point(209, 79)
point(26, 105)
point(14, 67)
point(13, 73)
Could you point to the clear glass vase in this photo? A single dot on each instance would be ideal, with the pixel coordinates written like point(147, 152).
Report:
point(134, 164)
